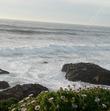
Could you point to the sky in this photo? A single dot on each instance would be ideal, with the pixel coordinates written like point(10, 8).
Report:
point(87, 12)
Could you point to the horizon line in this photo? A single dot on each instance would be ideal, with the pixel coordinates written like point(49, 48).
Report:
point(54, 22)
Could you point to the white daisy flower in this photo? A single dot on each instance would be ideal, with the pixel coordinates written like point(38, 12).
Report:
point(31, 95)
point(51, 99)
point(97, 100)
point(23, 109)
point(37, 108)
point(84, 95)
point(75, 106)
point(104, 105)
point(63, 97)
point(20, 102)
point(13, 109)
point(27, 98)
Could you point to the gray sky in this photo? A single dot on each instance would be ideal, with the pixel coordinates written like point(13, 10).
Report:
point(91, 12)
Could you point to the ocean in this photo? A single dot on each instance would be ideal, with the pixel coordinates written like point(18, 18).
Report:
point(34, 52)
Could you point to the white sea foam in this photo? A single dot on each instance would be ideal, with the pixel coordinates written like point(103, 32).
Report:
point(24, 54)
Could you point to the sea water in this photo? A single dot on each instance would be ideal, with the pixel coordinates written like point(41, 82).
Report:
point(34, 52)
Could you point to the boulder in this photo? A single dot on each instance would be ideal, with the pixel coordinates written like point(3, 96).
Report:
point(87, 72)
point(4, 85)
point(20, 91)
point(3, 72)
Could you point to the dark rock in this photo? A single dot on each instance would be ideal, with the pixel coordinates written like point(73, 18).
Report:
point(20, 91)
point(45, 62)
point(3, 72)
point(4, 85)
point(87, 72)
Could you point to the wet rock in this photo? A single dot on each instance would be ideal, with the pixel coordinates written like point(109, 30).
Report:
point(87, 72)
point(20, 91)
point(3, 72)
point(4, 85)
point(45, 62)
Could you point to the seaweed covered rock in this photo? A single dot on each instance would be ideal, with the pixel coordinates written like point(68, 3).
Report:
point(87, 72)
point(4, 85)
point(20, 91)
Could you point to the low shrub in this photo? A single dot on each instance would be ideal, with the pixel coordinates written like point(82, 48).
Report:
point(91, 99)
point(5, 104)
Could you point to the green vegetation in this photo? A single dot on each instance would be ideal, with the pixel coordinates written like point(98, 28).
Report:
point(4, 104)
point(90, 99)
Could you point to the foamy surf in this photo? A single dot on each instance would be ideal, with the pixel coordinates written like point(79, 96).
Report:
point(36, 52)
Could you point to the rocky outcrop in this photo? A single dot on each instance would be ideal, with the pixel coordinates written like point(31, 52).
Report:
point(20, 91)
point(4, 85)
point(87, 72)
point(3, 72)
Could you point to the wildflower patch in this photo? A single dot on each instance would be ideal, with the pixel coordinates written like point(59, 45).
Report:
point(90, 99)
